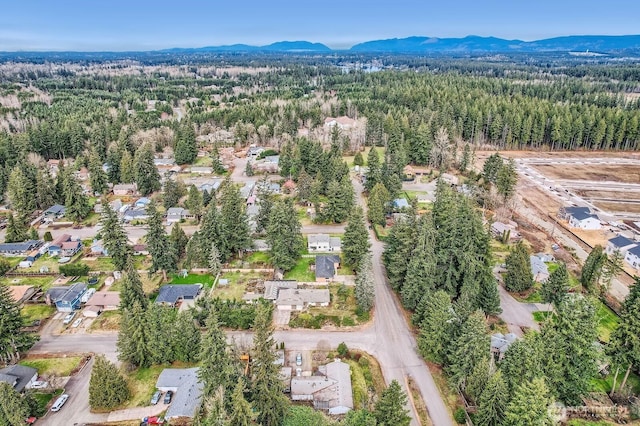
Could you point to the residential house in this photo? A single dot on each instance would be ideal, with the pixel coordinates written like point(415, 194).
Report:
point(299, 299)
point(124, 189)
point(68, 298)
point(164, 163)
point(201, 170)
point(101, 301)
point(400, 204)
point(98, 248)
point(505, 230)
point(171, 294)
point(449, 178)
point(70, 248)
point(20, 377)
point(538, 269)
point(177, 214)
point(132, 214)
point(272, 288)
point(633, 256)
point(343, 123)
point(142, 202)
point(247, 190)
point(326, 267)
point(619, 243)
point(55, 248)
point(54, 212)
point(22, 293)
point(210, 187)
point(19, 249)
point(580, 217)
point(187, 389)
point(331, 391)
point(140, 250)
point(500, 343)
point(323, 243)
point(254, 152)
point(33, 255)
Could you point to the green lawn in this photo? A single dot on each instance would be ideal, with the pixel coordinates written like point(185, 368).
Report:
point(31, 313)
point(237, 285)
point(541, 316)
point(107, 321)
point(59, 367)
point(410, 194)
point(46, 261)
point(204, 279)
point(340, 312)
point(381, 232)
point(101, 263)
point(142, 383)
point(604, 384)
point(607, 320)
point(43, 282)
point(91, 220)
point(256, 260)
point(302, 272)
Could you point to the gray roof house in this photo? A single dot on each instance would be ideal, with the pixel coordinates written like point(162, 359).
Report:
point(400, 203)
point(132, 214)
point(501, 342)
point(67, 298)
point(272, 288)
point(330, 392)
point(18, 376)
point(619, 243)
point(539, 269)
point(323, 243)
point(326, 267)
point(176, 214)
point(171, 294)
point(187, 391)
point(291, 299)
point(19, 249)
point(54, 212)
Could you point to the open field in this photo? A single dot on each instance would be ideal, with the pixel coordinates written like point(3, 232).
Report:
point(625, 173)
point(613, 206)
point(59, 367)
point(619, 195)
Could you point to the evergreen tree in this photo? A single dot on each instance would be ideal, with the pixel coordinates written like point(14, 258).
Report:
point(435, 318)
point(75, 201)
point(185, 337)
point(127, 173)
point(355, 243)
point(624, 345)
point(374, 172)
point(107, 388)
point(173, 191)
point(133, 340)
point(592, 269)
point(523, 361)
point(492, 167)
point(14, 409)
point(466, 159)
point(217, 367)
point(400, 244)
point(114, 237)
point(132, 291)
point(241, 412)
point(268, 399)
point(377, 203)
point(493, 402)
point(163, 255)
point(114, 158)
point(12, 339)
point(305, 183)
point(571, 358)
point(283, 235)
point(21, 193)
point(234, 226)
point(179, 240)
point(365, 285)
point(215, 266)
point(340, 200)
point(389, 410)
point(360, 417)
point(186, 149)
point(529, 405)
point(146, 174)
point(611, 268)
point(507, 179)
point(97, 176)
point(16, 231)
point(518, 276)
point(421, 271)
point(469, 347)
point(489, 297)
point(194, 202)
point(478, 379)
point(248, 169)
point(555, 288)
point(216, 162)
point(265, 203)
point(161, 322)
point(45, 189)
point(358, 160)
point(216, 412)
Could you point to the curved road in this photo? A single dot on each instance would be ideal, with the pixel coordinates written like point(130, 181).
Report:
point(388, 338)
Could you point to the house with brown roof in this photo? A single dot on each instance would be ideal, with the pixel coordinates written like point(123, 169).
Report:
point(101, 301)
point(124, 189)
point(343, 123)
point(22, 293)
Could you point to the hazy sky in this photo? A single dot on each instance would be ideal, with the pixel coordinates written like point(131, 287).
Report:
point(144, 24)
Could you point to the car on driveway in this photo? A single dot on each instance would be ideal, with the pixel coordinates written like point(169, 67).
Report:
point(68, 318)
point(168, 396)
point(299, 359)
point(39, 384)
point(156, 397)
point(59, 402)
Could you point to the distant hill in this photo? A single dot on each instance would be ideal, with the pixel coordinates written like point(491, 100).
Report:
point(493, 44)
point(280, 46)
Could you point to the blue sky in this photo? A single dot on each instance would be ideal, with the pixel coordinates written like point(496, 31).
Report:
point(142, 24)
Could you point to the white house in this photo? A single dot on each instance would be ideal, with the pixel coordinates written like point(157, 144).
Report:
point(619, 243)
point(539, 269)
point(581, 218)
point(176, 214)
point(331, 391)
point(633, 256)
point(323, 243)
point(343, 123)
point(292, 299)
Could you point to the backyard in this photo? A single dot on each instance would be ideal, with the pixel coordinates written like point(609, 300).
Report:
point(32, 313)
point(107, 321)
point(59, 367)
point(302, 271)
point(237, 284)
point(205, 279)
point(42, 282)
point(341, 312)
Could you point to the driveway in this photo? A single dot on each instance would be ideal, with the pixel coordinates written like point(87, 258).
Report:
point(517, 315)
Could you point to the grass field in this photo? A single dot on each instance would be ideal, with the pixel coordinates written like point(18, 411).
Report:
point(31, 313)
point(142, 383)
point(257, 260)
point(237, 284)
point(302, 271)
point(107, 321)
point(204, 279)
point(607, 321)
point(41, 282)
point(149, 283)
point(604, 384)
point(59, 367)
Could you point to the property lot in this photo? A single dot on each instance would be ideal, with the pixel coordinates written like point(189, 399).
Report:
point(625, 173)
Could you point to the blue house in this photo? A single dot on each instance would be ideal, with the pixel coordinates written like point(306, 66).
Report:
point(66, 299)
point(55, 212)
point(400, 204)
point(142, 202)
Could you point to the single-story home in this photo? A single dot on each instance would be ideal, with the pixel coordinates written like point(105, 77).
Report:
point(580, 217)
point(210, 187)
point(502, 230)
point(343, 122)
point(539, 269)
point(300, 299)
point(400, 204)
point(176, 214)
point(254, 152)
point(171, 294)
point(501, 342)
point(187, 389)
point(98, 248)
point(164, 162)
point(272, 288)
point(140, 250)
point(101, 301)
point(22, 293)
point(633, 256)
point(326, 267)
point(202, 170)
point(20, 377)
point(247, 190)
point(70, 248)
point(142, 202)
point(55, 248)
point(331, 391)
point(323, 243)
point(124, 189)
point(19, 249)
point(135, 214)
point(621, 244)
point(33, 255)
point(67, 298)
point(55, 212)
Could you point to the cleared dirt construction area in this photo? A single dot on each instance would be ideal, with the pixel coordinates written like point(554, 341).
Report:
point(624, 173)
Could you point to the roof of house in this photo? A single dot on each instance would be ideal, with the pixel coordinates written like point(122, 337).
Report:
point(17, 375)
point(501, 342)
point(73, 292)
point(302, 296)
point(136, 212)
point(343, 120)
point(164, 161)
point(18, 292)
point(275, 159)
point(171, 293)
point(201, 169)
point(580, 216)
point(621, 241)
point(340, 372)
point(635, 251)
point(255, 150)
point(272, 288)
point(175, 211)
point(22, 246)
point(310, 385)
point(325, 265)
point(125, 187)
point(401, 203)
point(60, 240)
point(500, 227)
point(186, 400)
point(55, 209)
point(538, 266)
point(319, 238)
point(335, 242)
point(104, 298)
point(143, 200)
point(69, 245)
point(334, 387)
point(572, 210)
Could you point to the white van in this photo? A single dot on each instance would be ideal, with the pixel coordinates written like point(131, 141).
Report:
point(59, 402)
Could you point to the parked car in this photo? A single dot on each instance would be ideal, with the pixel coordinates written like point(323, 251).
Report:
point(76, 323)
point(39, 384)
point(299, 359)
point(59, 402)
point(156, 397)
point(168, 396)
point(68, 318)
point(155, 420)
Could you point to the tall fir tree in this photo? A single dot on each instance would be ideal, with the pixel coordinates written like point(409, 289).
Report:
point(529, 404)
point(12, 339)
point(421, 271)
point(14, 408)
point(555, 288)
point(75, 200)
point(163, 255)
point(507, 180)
point(194, 202)
point(114, 237)
point(186, 149)
point(377, 202)
point(435, 318)
point(470, 345)
point(107, 388)
point(97, 176)
point(355, 242)
point(400, 244)
point(127, 173)
point(493, 402)
point(132, 291)
point(179, 239)
point(523, 361)
point(592, 269)
point(374, 172)
point(186, 341)
point(241, 412)
point(133, 339)
point(146, 174)
point(45, 189)
point(389, 409)
point(365, 285)
point(518, 276)
point(217, 368)
point(283, 235)
point(234, 225)
point(16, 231)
